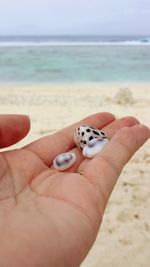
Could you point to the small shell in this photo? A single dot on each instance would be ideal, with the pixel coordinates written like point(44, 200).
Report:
point(84, 134)
point(64, 161)
point(94, 147)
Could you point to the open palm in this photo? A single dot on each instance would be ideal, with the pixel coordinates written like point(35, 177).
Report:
point(51, 218)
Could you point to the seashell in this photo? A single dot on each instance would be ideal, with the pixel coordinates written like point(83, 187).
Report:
point(84, 134)
point(94, 147)
point(64, 161)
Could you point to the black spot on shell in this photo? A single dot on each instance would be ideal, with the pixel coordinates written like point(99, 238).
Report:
point(102, 133)
point(90, 138)
point(84, 142)
point(81, 148)
point(95, 132)
point(88, 130)
point(82, 133)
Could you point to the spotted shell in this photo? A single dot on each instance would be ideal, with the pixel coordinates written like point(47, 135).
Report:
point(64, 161)
point(83, 134)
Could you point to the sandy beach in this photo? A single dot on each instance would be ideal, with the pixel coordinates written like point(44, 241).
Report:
point(124, 239)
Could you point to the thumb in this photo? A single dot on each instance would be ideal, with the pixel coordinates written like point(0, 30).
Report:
point(13, 128)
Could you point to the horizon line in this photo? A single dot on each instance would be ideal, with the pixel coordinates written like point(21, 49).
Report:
point(69, 34)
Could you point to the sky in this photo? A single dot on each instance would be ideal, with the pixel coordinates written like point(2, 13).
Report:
point(59, 17)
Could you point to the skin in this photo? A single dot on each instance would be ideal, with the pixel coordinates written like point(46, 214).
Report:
point(50, 218)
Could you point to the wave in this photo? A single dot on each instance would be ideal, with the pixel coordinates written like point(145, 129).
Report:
point(21, 44)
point(25, 41)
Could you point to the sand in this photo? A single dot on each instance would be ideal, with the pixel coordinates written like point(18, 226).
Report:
point(124, 239)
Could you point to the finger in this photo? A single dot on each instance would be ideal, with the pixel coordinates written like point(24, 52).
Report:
point(47, 148)
point(110, 130)
point(104, 169)
point(118, 124)
point(12, 129)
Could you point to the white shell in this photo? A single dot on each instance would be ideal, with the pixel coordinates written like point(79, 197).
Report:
point(64, 161)
point(84, 134)
point(94, 147)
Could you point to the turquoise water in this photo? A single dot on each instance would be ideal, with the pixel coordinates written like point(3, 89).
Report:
point(71, 62)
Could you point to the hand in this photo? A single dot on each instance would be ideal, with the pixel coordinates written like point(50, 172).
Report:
point(50, 218)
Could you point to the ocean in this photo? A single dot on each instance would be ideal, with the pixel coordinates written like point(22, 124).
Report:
point(71, 59)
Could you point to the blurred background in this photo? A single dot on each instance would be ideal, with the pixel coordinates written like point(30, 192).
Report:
point(63, 60)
